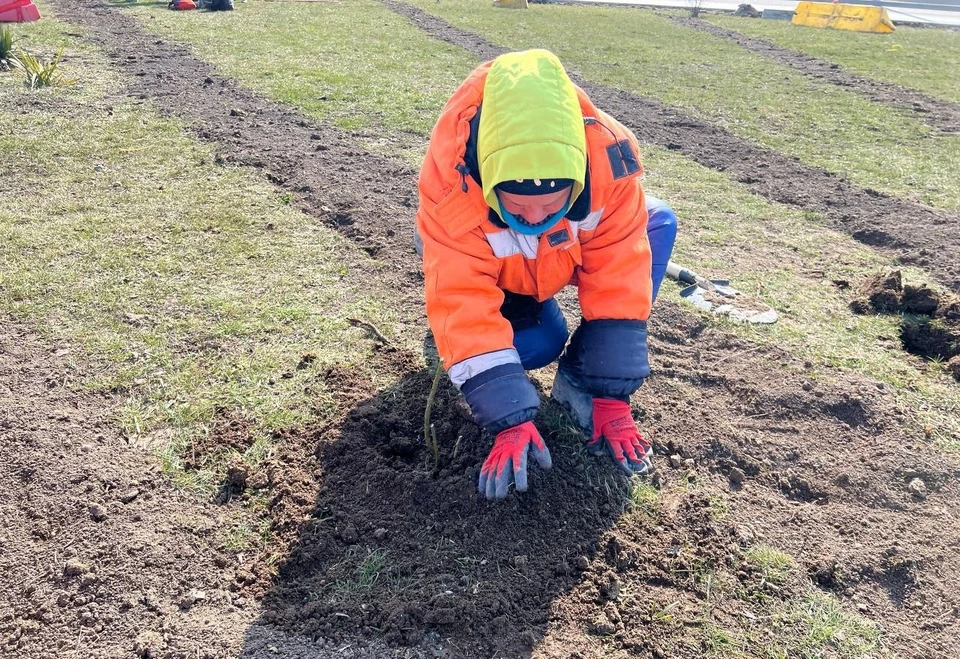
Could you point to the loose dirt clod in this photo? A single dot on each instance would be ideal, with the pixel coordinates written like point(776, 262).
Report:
point(920, 300)
point(953, 366)
point(192, 598)
point(879, 294)
point(930, 326)
point(75, 567)
point(917, 488)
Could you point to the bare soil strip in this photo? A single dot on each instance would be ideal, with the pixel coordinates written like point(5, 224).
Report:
point(937, 113)
point(383, 547)
point(916, 234)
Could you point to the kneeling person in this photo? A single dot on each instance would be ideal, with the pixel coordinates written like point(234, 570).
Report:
point(527, 187)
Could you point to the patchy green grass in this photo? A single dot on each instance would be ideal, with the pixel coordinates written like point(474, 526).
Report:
point(814, 627)
point(713, 78)
point(188, 288)
point(828, 625)
point(777, 613)
point(921, 58)
point(354, 64)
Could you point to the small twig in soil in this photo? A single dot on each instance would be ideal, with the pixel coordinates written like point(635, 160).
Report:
point(429, 433)
point(370, 327)
point(735, 354)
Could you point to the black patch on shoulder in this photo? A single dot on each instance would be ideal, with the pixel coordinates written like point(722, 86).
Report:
point(558, 237)
point(623, 161)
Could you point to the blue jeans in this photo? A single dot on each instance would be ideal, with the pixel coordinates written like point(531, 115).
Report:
point(540, 330)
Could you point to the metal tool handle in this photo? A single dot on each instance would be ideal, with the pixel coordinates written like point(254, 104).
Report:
point(681, 274)
point(678, 272)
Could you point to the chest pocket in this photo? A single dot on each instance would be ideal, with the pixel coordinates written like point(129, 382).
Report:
point(558, 259)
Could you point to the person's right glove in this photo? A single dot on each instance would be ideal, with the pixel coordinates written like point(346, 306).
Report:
point(507, 461)
point(612, 422)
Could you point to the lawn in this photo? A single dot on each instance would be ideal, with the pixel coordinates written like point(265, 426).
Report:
point(193, 288)
point(196, 293)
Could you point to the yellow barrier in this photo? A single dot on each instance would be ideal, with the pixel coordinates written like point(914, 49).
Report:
point(510, 4)
point(843, 17)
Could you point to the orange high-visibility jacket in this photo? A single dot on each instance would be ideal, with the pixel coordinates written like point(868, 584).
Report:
point(470, 257)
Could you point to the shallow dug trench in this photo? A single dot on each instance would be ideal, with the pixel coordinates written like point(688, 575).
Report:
point(930, 325)
point(381, 544)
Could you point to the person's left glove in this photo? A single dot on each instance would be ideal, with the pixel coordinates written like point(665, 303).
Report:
point(614, 432)
point(507, 461)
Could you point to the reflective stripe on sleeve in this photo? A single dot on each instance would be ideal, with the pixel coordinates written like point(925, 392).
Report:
point(468, 368)
point(591, 221)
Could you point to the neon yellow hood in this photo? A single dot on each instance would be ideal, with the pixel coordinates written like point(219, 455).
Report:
point(531, 125)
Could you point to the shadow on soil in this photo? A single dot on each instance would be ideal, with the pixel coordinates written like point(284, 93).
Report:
point(392, 547)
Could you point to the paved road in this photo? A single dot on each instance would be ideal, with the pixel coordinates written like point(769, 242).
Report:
point(897, 15)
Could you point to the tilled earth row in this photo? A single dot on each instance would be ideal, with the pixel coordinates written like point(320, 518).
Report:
point(381, 546)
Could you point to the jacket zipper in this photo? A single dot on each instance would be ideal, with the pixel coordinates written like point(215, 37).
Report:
point(464, 171)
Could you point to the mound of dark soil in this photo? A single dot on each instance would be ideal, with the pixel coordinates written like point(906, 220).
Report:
point(931, 322)
point(393, 545)
point(886, 293)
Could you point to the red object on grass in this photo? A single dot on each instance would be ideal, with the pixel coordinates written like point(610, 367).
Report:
point(18, 11)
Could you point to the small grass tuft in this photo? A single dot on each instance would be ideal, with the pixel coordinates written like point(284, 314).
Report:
point(365, 575)
point(645, 498)
point(773, 565)
point(719, 506)
point(827, 625)
point(39, 73)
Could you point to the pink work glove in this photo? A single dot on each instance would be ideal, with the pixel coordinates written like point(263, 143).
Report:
point(612, 422)
point(507, 461)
